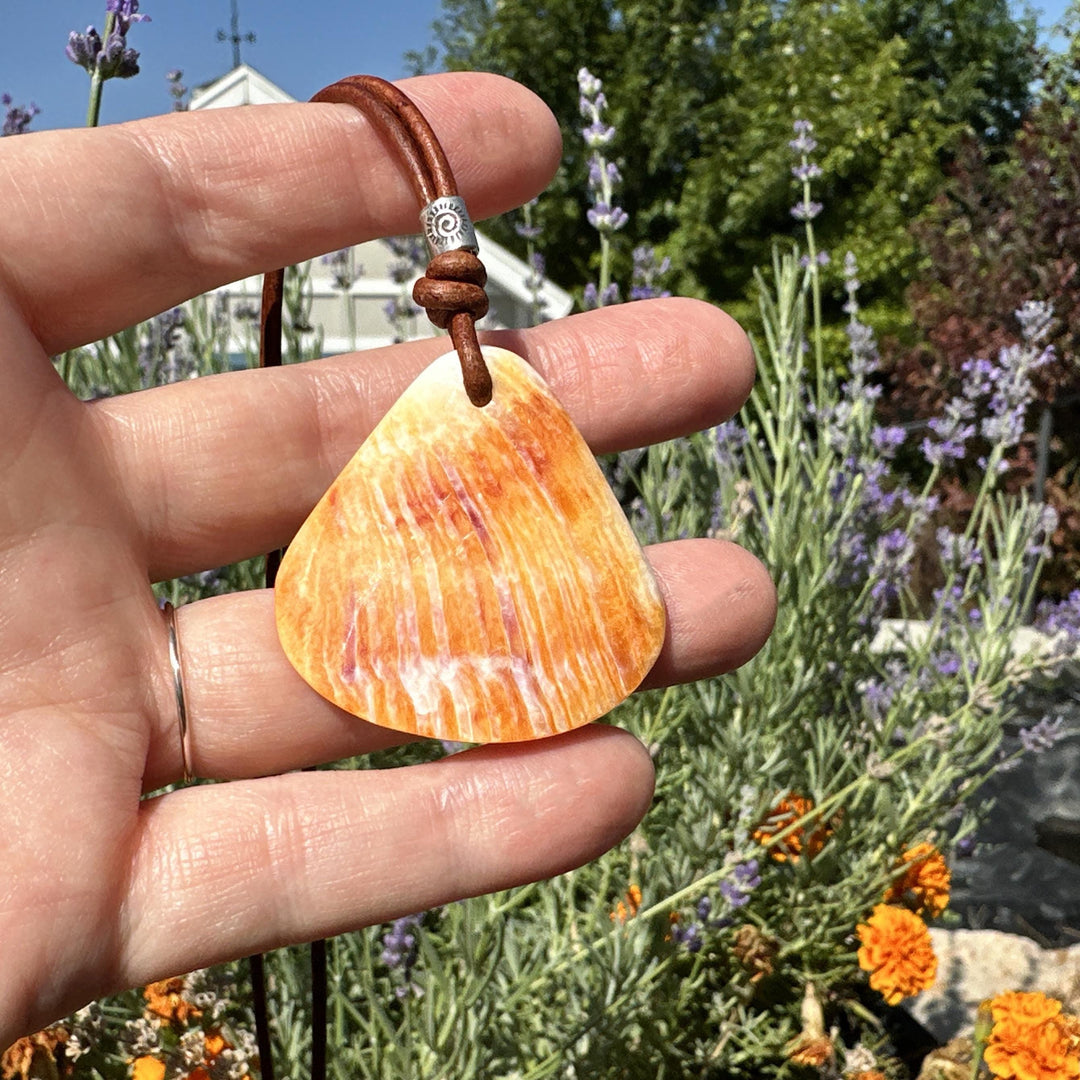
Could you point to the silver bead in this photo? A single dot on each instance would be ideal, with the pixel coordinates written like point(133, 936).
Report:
point(447, 226)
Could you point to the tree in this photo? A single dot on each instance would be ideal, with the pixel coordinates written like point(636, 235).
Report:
point(703, 94)
point(1000, 234)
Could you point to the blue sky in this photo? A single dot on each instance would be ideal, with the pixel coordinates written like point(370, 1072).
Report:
point(301, 47)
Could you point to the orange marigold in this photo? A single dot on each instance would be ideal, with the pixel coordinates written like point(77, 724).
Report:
point(799, 841)
point(166, 999)
point(897, 952)
point(148, 1068)
point(926, 880)
point(1031, 1039)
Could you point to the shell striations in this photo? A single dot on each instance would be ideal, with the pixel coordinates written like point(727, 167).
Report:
point(469, 575)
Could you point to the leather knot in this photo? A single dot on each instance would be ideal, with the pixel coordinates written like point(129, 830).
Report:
point(453, 284)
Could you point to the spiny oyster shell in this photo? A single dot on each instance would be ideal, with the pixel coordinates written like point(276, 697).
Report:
point(469, 575)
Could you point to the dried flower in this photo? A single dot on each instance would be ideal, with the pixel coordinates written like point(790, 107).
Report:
point(18, 1060)
point(897, 952)
point(168, 1000)
point(1031, 1039)
point(812, 1052)
point(756, 951)
point(924, 884)
point(1044, 735)
point(629, 908)
point(787, 811)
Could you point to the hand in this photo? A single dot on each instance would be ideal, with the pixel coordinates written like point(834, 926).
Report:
point(104, 228)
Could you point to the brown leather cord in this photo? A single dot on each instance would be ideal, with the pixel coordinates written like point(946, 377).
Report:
point(452, 293)
point(452, 289)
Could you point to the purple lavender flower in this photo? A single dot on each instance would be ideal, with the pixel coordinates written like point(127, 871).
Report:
point(806, 170)
point(1044, 735)
point(891, 565)
point(1042, 532)
point(588, 84)
point(83, 49)
point(647, 273)
point(111, 59)
point(822, 258)
point(806, 210)
point(887, 440)
point(593, 298)
point(736, 890)
point(598, 135)
point(959, 552)
point(16, 117)
point(877, 698)
point(606, 218)
point(803, 143)
point(946, 663)
point(126, 12)
point(965, 847)
point(688, 936)
point(399, 950)
point(345, 272)
point(952, 434)
point(177, 90)
point(1060, 620)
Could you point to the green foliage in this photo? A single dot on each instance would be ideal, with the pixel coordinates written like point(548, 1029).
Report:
point(703, 95)
point(584, 975)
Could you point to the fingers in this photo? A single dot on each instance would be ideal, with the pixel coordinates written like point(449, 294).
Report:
point(222, 468)
point(179, 204)
point(226, 870)
point(252, 715)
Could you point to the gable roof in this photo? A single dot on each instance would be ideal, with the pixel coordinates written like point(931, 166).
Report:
point(355, 319)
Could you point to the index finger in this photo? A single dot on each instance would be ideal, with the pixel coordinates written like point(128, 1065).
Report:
point(136, 218)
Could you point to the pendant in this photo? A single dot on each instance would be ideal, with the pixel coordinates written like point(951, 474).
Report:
point(469, 575)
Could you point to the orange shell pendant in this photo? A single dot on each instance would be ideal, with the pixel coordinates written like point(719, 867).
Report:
point(470, 575)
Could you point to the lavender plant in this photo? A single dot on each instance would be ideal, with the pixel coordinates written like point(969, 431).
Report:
point(720, 939)
point(530, 232)
point(107, 55)
point(401, 311)
point(17, 118)
point(346, 273)
point(603, 215)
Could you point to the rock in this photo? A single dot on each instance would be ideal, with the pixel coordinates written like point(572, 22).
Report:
point(974, 965)
point(1012, 883)
point(952, 1062)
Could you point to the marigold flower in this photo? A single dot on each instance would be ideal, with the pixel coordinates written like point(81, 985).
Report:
point(868, 1074)
point(1031, 1039)
point(1024, 1007)
point(166, 999)
point(788, 810)
point(897, 952)
point(926, 879)
point(148, 1067)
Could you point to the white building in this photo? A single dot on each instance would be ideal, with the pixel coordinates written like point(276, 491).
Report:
point(358, 319)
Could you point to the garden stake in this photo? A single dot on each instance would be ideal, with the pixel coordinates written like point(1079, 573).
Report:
point(469, 575)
